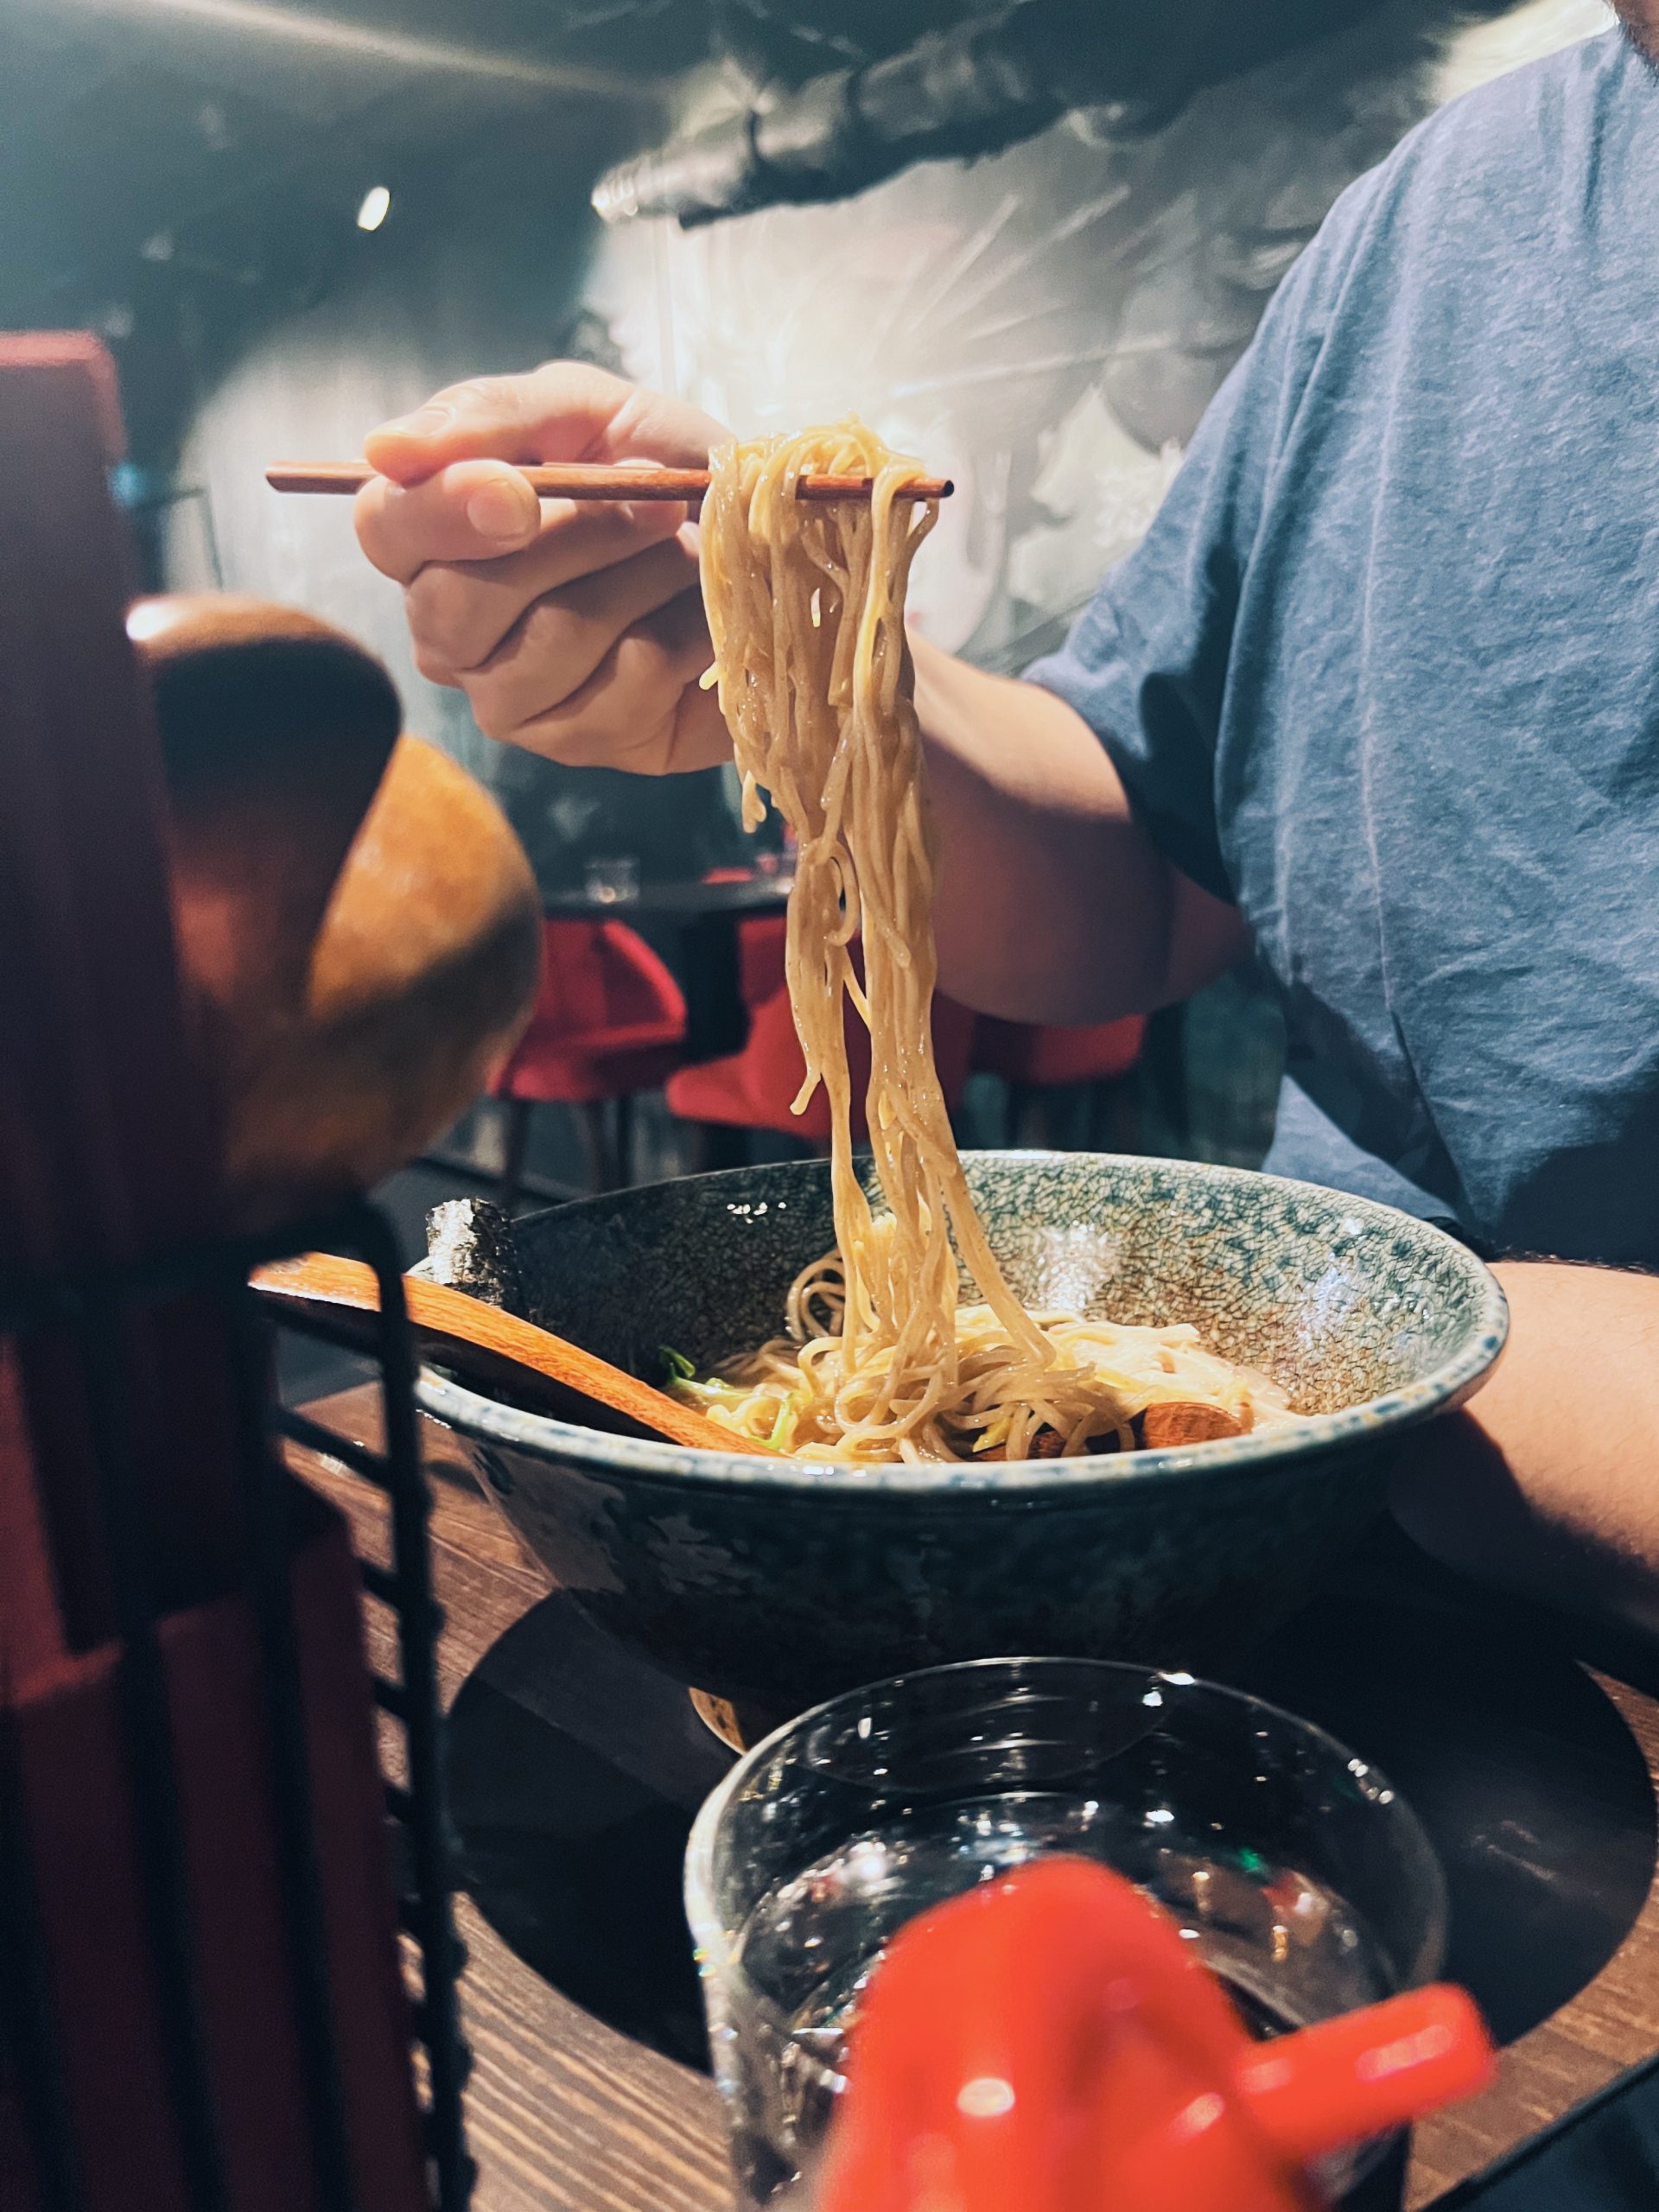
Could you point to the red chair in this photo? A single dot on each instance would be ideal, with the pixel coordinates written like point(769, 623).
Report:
point(752, 1089)
point(609, 1022)
point(760, 941)
point(1035, 1060)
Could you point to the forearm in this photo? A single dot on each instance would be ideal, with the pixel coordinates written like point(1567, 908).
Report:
point(1052, 903)
point(1548, 1482)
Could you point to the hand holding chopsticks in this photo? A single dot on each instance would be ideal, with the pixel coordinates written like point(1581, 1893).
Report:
point(590, 481)
point(574, 624)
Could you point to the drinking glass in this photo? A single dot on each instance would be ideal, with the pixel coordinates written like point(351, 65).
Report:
point(613, 881)
point(1304, 1880)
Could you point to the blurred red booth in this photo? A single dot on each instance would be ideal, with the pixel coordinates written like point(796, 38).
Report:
point(752, 1089)
point(609, 1021)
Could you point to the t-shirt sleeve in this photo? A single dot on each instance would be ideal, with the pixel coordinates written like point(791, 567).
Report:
point(1146, 663)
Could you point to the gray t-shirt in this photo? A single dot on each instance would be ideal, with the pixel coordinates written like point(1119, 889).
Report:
point(1386, 670)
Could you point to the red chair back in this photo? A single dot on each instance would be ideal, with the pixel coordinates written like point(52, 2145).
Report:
point(760, 941)
point(601, 977)
point(753, 1088)
point(609, 1020)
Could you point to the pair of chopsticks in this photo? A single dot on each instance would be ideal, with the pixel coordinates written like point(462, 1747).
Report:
point(579, 480)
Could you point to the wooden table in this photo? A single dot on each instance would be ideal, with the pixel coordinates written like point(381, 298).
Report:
point(1550, 1774)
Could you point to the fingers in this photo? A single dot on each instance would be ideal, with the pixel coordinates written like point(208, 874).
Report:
point(577, 629)
point(555, 413)
point(641, 709)
point(476, 510)
point(562, 639)
point(564, 410)
point(460, 611)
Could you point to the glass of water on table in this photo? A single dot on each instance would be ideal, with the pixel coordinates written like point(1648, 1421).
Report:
point(1299, 1876)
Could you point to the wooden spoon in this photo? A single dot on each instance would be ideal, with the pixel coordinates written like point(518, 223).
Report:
point(499, 1350)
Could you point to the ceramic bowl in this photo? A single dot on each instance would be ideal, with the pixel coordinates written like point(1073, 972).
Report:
point(774, 1585)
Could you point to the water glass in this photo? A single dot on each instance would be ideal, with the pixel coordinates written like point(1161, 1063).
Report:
point(1301, 1876)
point(612, 882)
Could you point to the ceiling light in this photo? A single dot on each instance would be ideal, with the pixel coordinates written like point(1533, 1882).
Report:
point(377, 206)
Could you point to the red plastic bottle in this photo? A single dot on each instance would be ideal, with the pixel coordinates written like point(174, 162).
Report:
point(1049, 2043)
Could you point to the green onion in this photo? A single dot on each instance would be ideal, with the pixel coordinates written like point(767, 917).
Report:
point(679, 1365)
point(785, 1416)
point(710, 1394)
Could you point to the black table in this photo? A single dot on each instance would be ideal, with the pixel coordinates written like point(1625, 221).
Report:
point(574, 1769)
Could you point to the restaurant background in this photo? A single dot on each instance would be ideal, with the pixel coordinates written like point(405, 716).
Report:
point(287, 222)
point(195, 178)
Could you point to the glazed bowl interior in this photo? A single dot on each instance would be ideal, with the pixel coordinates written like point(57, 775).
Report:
point(1349, 1305)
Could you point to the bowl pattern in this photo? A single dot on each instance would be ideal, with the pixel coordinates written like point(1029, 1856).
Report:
point(779, 1583)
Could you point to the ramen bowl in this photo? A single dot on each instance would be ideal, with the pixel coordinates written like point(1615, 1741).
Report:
point(772, 1584)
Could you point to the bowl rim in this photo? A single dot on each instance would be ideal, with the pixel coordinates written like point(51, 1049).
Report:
point(491, 1421)
point(717, 1959)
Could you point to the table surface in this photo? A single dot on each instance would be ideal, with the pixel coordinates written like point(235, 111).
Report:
point(567, 2114)
point(689, 902)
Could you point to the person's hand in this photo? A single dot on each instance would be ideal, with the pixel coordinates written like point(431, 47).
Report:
point(575, 628)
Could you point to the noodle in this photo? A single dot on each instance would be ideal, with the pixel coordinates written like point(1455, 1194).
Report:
point(879, 1360)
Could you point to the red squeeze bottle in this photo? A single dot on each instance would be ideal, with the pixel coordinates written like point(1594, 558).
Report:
point(1051, 2042)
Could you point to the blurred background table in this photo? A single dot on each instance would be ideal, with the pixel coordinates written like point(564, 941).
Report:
point(575, 1769)
point(704, 918)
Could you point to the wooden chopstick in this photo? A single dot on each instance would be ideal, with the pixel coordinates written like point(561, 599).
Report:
point(580, 480)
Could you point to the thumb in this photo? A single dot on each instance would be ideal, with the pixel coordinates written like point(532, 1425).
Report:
point(565, 411)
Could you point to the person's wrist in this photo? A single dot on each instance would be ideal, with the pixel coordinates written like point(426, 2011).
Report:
point(957, 708)
point(939, 677)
